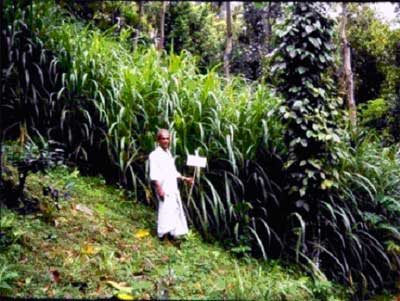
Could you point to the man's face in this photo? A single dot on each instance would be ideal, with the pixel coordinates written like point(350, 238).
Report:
point(163, 140)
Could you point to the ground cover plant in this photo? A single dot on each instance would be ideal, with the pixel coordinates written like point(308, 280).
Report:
point(100, 243)
point(283, 175)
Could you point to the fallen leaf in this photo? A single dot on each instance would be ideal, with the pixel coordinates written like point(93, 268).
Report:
point(121, 286)
point(124, 296)
point(84, 209)
point(89, 250)
point(141, 233)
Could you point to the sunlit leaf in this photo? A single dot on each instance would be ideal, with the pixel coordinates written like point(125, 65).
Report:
point(142, 233)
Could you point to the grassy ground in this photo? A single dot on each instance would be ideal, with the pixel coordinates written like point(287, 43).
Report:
point(98, 243)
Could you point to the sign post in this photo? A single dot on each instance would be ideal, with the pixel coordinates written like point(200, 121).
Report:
point(197, 162)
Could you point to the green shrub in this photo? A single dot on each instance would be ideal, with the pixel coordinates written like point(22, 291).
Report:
point(369, 194)
point(373, 110)
point(374, 114)
point(193, 27)
point(7, 276)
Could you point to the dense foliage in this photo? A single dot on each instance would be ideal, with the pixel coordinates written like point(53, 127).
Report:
point(284, 178)
point(193, 27)
point(374, 54)
point(189, 26)
point(334, 233)
point(368, 205)
point(256, 38)
point(376, 61)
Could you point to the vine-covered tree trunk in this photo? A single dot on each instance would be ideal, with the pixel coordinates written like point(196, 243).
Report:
point(160, 45)
point(305, 53)
point(139, 24)
point(228, 45)
point(347, 71)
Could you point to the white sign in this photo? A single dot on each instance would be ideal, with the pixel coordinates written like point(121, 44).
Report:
point(196, 161)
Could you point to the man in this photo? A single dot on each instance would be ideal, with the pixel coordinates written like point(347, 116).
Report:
point(171, 219)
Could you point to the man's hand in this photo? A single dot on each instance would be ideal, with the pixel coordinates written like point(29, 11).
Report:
point(160, 192)
point(188, 180)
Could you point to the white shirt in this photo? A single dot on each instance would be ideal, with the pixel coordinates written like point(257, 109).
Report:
point(163, 170)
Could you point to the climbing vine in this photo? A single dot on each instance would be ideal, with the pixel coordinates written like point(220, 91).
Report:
point(309, 111)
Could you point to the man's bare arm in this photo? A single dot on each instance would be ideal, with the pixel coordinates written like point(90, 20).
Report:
point(188, 180)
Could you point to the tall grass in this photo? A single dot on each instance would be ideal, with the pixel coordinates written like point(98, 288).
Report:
point(369, 191)
point(123, 97)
